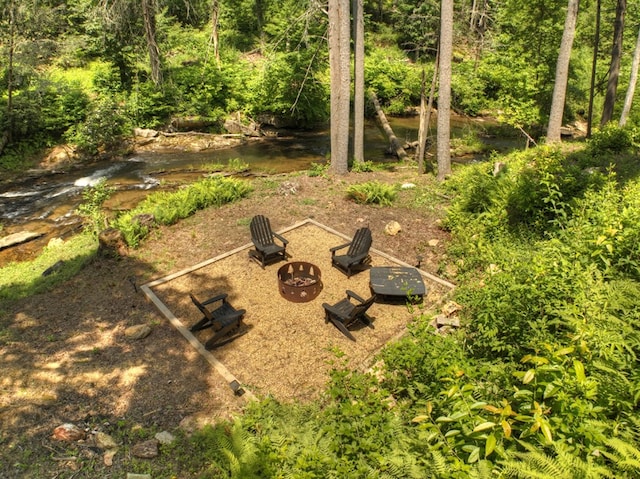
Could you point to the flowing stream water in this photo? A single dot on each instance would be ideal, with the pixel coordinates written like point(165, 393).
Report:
point(46, 204)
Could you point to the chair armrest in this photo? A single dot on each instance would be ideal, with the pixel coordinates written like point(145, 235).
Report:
point(336, 248)
point(281, 238)
point(355, 296)
point(219, 297)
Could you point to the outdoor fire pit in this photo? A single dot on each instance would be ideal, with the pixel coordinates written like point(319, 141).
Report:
point(299, 282)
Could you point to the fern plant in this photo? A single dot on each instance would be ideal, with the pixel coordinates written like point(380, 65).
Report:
point(372, 192)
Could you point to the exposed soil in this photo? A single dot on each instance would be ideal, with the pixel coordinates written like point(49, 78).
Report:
point(66, 358)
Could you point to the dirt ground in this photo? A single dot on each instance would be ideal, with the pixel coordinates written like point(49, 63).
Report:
point(66, 359)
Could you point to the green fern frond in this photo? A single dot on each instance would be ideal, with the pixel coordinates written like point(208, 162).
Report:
point(625, 456)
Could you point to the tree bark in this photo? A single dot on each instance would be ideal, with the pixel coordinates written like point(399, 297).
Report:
point(339, 63)
point(149, 16)
point(633, 80)
point(394, 143)
point(214, 39)
point(8, 134)
point(562, 73)
point(594, 63)
point(614, 69)
point(443, 148)
point(358, 81)
point(425, 118)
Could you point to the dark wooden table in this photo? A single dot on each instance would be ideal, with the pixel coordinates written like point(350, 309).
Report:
point(397, 283)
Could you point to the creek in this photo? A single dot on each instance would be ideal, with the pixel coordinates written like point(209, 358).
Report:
point(45, 204)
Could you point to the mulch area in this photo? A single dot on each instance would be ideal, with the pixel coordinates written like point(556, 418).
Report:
point(288, 350)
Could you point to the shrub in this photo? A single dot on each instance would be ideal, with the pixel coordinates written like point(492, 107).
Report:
point(103, 128)
point(372, 192)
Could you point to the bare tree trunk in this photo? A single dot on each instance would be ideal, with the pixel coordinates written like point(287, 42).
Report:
point(594, 62)
point(358, 81)
point(633, 80)
point(149, 16)
point(339, 63)
point(562, 73)
point(394, 143)
point(214, 39)
point(614, 69)
point(443, 147)
point(425, 117)
point(8, 134)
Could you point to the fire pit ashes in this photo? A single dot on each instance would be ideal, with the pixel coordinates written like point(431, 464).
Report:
point(299, 281)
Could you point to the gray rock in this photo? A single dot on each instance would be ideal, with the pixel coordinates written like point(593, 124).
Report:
point(165, 437)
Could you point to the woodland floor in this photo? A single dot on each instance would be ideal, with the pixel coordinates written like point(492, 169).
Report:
point(65, 357)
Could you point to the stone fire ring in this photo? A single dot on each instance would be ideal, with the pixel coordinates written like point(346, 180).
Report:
point(299, 282)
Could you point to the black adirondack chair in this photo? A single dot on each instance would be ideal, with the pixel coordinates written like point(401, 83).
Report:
point(263, 238)
point(346, 313)
point(225, 320)
point(357, 257)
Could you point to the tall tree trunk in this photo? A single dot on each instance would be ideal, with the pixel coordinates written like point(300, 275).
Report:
point(594, 63)
point(7, 135)
point(633, 80)
point(214, 39)
point(614, 69)
point(339, 63)
point(425, 118)
point(443, 148)
point(562, 73)
point(358, 81)
point(149, 17)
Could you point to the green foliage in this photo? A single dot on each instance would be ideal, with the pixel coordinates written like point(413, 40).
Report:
point(91, 209)
point(393, 79)
point(290, 86)
point(168, 208)
point(610, 139)
point(319, 169)
point(372, 192)
point(103, 128)
point(362, 167)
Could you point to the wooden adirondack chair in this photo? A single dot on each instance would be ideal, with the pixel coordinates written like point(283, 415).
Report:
point(225, 320)
point(345, 313)
point(357, 257)
point(263, 238)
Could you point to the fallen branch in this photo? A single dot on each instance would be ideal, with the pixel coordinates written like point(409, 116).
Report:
point(395, 145)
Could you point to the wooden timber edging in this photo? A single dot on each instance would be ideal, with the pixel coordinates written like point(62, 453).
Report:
point(393, 139)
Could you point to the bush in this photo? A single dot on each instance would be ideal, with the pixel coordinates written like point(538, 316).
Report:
point(103, 128)
point(372, 192)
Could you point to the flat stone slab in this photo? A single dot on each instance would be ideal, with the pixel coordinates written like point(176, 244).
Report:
point(18, 238)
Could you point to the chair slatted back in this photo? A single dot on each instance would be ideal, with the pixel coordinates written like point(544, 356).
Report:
point(201, 307)
point(362, 308)
point(361, 242)
point(261, 230)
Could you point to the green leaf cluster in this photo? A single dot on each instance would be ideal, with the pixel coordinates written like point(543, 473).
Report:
point(168, 207)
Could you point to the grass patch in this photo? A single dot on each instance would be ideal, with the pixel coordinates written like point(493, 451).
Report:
point(20, 280)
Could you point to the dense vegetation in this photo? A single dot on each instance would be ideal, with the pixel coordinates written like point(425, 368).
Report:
point(542, 380)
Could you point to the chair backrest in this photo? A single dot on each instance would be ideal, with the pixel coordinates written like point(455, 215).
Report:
point(261, 230)
point(201, 307)
point(362, 308)
point(360, 243)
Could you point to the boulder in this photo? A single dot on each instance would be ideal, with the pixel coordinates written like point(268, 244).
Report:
point(392, 228)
